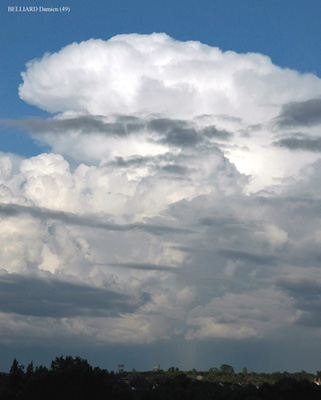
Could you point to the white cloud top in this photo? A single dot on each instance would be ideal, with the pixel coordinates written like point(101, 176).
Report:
point(157, 74)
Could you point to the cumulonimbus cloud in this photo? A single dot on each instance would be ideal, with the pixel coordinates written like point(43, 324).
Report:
point(174, 95)
point(172, 174)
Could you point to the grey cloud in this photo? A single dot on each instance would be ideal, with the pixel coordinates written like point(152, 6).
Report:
point(299, 286)
point(172, 132)
point(306, 293)
point(255, 127)
point(310, 319)
point(181, 133)
point(122, 126)
point(226, 117)
point(245, 256)
point(183, 137)
point(302, 142)
point(249, 257)
point(133, 124)
point(162, 125)
point(83, 124)
point(175, 169)
point(213, 133)
point(147, 267)
point(87, 221)
point(305, 113)
point(175, 132)
point(121, 162)
point(217, 221)
point(137, 161)
point(30, 295)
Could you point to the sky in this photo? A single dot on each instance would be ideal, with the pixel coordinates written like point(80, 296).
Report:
point(160, 183)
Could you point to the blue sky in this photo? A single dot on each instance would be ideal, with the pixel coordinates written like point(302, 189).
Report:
point(159, 193)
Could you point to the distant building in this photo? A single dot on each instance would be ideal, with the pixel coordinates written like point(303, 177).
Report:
point(121, 368)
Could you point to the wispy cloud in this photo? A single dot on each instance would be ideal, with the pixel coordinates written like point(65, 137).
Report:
point(87, 221)
point(146, 267)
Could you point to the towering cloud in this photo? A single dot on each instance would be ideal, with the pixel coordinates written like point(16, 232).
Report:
point(180, 196)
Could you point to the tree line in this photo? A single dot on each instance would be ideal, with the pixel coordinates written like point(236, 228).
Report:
point(75, 379)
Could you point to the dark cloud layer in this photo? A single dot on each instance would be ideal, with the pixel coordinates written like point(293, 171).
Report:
point(304, 143)
point(162, 125)
point(218, 221)
point(255, 258)
point(173, 132)
point(30, 295)
point(306, 294)
point(175, 169)
point(182, 137)
point(213, 133)
point(180, 133)
point(121, 162)
point(82, 124)
point(91, 221)
point(305, 113)
point(146, 267)
point(244, 256)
